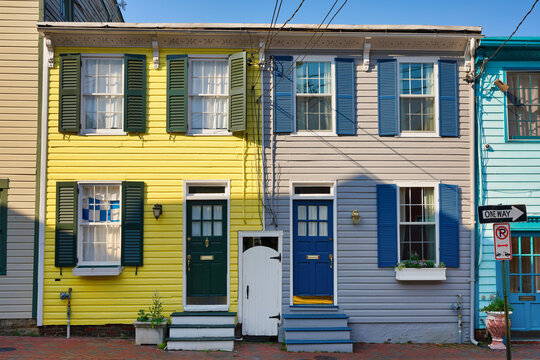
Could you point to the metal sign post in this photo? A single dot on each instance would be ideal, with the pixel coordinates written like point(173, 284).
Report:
point(503, 251)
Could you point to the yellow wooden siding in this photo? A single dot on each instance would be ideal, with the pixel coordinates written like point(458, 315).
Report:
point(162, 162)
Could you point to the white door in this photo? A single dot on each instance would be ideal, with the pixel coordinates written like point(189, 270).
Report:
point(260, 279)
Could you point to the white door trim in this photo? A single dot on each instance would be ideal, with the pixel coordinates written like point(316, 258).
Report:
point(332, 196)
point(186, 197)
point(241, 235)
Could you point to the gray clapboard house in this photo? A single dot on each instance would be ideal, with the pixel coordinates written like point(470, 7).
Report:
point(368, 154)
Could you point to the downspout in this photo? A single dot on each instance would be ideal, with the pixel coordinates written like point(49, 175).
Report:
point(472, 126)
point(262, 62)
point(43, 176)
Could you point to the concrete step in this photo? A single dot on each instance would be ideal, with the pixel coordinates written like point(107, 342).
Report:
point(309, 320)
point(345, 346)
point(206, 317)
point(201, 330)
point(203, 343)
point(318, 333)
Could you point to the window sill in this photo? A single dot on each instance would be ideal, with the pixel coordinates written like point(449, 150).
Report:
point(426, 274)
point(104, 270)
point(315, 133)
point(418, 134)
point(209, 133)
point(104, 133)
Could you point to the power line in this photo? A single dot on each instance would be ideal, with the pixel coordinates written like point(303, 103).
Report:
point(483, 66)
point(267, 45)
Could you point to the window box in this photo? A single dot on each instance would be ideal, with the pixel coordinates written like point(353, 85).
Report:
point(97, 270)
point(425, 274)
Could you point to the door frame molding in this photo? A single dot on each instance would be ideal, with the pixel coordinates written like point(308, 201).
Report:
point(332, 196)
point(241, 235)
point(216, 196)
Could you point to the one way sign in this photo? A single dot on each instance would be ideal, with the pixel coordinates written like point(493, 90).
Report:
point(502, 213)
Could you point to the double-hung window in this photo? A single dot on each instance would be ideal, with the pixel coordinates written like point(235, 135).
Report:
point(209, 96)
point(523, 104)
point(416, 97)
point(100, 224)
point(102, 95)
point(418, 221)
point(417, 224)
point(313, 96)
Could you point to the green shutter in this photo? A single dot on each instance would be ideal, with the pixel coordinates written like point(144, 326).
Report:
point(66, 224)
point(237, 92)
point(3, 226)
point(135, 93)
point(177, 95)
point(70, 93)
point(132, 223)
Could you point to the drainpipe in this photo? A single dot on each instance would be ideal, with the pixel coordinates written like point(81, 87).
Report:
point(472, 112)
point(64, 296)
point(262, 60)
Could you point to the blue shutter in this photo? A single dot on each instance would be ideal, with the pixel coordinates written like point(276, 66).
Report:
point(449, 225)
point(387, 225)
point(388, 97)
point(283, 94)
point(345, 104)
point(448, 98)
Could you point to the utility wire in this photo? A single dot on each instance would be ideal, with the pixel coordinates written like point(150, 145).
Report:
point(483, 66)
point(267, 45)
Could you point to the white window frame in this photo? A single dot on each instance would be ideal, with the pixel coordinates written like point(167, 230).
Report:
point(435, 186)
point(206, 196)
point(420, 60)
point(313, 58)
point(83, 130)
point(80, 185)
point(205, 132)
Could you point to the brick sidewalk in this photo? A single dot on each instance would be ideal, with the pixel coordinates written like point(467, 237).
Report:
point(104, 348)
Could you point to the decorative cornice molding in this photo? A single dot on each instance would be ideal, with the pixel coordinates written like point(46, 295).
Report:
point(436, 44)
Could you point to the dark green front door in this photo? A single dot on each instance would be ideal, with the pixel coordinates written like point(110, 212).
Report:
point(206, 256)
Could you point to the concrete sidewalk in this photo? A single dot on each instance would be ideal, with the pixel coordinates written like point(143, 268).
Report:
point(79, 348)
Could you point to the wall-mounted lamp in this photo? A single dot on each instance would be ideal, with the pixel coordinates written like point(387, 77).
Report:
point(502, 86)
point(158, 209)
point(355, 217)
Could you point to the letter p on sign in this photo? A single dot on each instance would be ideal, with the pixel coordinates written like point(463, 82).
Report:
point(503, 243)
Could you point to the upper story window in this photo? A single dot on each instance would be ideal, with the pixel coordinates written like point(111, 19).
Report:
point(209, 96)
point(523, 104)
point(100, 226)
point(313, 96)
point(102, 95)
point(417, 224)
point(416, 97)
point(66, 10)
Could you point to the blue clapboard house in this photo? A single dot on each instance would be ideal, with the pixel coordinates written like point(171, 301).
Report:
point(508, 172)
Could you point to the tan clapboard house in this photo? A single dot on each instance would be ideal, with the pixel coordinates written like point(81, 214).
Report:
point(20, 82)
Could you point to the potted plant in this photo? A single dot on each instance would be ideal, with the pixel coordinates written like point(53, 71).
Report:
point(416, 269)
point(150, 327)
point(495, 322)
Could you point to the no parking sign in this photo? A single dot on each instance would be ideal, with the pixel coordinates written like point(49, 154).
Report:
point(503, 243)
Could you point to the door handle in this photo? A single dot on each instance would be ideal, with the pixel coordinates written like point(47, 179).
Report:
point(247, 292)
point(189, 263)
point(331, 260)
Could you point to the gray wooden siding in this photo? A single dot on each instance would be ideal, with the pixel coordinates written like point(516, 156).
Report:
point(380, 308)
point(85, 10)
point(18, 134)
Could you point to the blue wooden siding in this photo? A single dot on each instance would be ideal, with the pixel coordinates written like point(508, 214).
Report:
point(508, 171)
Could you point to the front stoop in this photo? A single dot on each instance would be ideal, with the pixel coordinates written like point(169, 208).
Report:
point(314, 330)
point(202, 331)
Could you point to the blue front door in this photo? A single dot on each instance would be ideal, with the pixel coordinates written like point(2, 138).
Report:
point(313, 255)
point(524, 270)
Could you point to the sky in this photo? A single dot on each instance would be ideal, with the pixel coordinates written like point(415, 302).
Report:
point(497, 17)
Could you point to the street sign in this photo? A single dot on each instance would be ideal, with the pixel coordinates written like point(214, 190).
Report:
point(503, 243)
point(502, 213)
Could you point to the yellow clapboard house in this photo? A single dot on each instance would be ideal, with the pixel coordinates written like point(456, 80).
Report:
point(153, 167)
